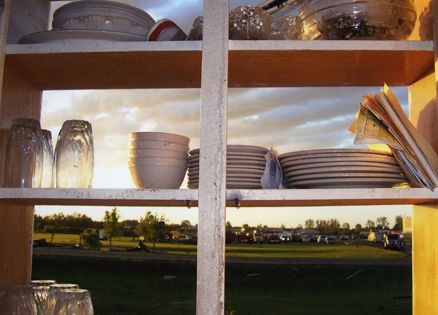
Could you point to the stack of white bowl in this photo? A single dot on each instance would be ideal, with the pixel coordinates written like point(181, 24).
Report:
point(158, 160)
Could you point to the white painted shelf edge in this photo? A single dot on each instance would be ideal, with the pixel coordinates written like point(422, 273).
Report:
point(260, 197)
point(234, 45)
point(335, 45)
point(102, 46)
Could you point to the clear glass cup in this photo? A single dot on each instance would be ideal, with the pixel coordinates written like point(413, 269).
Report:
point(286, 27)
point(249, 23)
point(51, 296)
point(47, 175)
point(24, 154)
point(43, 283)
point(41, 292)
point(18, 300)
point(74, 155)
point(71, 302)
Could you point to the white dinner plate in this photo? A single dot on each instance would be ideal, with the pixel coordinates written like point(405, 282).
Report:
point(346, 183)
point(332, 152)
point(233, 163)
point(331, 155)
point(58, 36)
point(383, 159)
point(232, 176)
point(240, 148)
point(307, 166)
point(346, 169)
point(232, 171)
point(293, 178)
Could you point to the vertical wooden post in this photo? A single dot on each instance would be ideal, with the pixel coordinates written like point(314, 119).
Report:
point(18, 99)
point(212, 177)
point(423, 114)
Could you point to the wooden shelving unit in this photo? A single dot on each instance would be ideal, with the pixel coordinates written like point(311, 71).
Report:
point(214, 65)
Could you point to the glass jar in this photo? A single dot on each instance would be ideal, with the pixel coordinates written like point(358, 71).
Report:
point(47, 176)
point(24, 154)
point(74, 155)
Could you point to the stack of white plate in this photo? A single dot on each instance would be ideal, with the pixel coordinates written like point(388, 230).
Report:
point(158, 160)
point(245, 167)
point(341, 168)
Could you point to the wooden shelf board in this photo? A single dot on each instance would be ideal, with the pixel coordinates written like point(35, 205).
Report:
point(105, 65)
point(328, 63)
point(246, 198)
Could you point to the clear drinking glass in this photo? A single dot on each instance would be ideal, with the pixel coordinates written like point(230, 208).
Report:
point(286, 27)
point(47, 176)
point(18, 300)
point(41, 292)
point(74, 155)
point(71, 302)
point(24, 154)
point(249, 22)
point(51, 297)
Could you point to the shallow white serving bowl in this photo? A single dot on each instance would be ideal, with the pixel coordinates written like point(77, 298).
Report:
point(104, 16)
point(157, 176)
point(158, 136)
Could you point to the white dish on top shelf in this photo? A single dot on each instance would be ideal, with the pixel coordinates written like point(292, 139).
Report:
point(102, 15)
point(61, 36)
point(346, 183)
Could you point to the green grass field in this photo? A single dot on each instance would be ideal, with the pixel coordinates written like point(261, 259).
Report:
point(128, 288)
point(291, 250)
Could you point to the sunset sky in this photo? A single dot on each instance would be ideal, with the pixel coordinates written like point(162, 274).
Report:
point(288, 118)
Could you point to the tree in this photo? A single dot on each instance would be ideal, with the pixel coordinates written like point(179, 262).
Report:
point(152, 227)
point(309, 224)
point(346, 227)
point(185, 226)
point(228, 226)
point(358, 228)
point(38, 223)
point(245, 228)
point(111, 224)
point(382, 223)
point(398, 226)
point(370, 225)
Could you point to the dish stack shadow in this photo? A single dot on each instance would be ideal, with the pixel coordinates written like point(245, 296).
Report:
point(245, 167)
point(341, 168)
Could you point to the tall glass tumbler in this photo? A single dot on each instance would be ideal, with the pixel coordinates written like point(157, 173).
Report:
point(41, 292)
point(17, 300)
point(53, 296)
point(24, 154)
point(71, 302)
point(74, 155)
point(47, 176)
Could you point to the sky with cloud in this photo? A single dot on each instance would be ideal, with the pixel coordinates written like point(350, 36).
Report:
point(288, 119)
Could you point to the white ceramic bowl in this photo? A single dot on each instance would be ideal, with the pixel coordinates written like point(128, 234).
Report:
point(156, 161)
point(151, 153)
point(157, 176)
point(104, 16)
point(158, 145)
point(158, 136)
